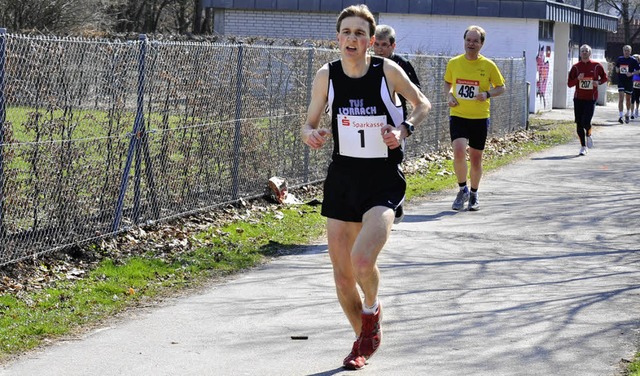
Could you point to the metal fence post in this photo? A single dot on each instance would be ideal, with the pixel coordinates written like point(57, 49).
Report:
point(135, 136)
point(439, 73)
point(309, 84)
point(511, 109)
point(3, 116)
point(237, 136)
point(137, 165)
point(527, 90)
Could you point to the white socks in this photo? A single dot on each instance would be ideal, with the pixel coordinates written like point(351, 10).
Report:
point(370, 310)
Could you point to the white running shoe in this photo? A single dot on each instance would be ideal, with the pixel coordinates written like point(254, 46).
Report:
point(589, 142)
point(474, 202)
point(583, 151)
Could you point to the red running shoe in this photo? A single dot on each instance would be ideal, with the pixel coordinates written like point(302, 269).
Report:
point(354, 360)
point(371, 334)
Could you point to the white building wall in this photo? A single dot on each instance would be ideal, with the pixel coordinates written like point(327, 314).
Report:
point(506, 37)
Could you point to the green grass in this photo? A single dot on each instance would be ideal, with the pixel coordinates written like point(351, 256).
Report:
point(634, 367)
point(54, 124)
point(29, 318)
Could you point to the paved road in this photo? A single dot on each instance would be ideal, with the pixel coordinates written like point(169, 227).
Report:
point(544, 280)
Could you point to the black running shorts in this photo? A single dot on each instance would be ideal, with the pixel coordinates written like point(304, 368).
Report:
point(626, 85)
point(474, 130)
point(351, 190)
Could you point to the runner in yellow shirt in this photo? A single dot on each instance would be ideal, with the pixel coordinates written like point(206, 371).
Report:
point(469, 81)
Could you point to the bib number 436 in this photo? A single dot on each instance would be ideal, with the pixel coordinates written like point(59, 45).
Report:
point(467, 89)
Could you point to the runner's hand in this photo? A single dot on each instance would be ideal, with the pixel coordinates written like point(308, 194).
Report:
point(316, 138)
point(391, 136)
point(452, 101)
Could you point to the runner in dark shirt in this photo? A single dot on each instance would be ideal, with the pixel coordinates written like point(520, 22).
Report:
point(364, 184)
point(626, 66)
point(384, 46)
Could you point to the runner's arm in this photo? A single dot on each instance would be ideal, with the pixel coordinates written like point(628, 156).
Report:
point(401, 84)
point(448, 94)
point(496, 91)
point(573, 77)
point(309, 131)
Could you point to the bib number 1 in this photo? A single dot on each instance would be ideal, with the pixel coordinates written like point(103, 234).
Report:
point(361, 137)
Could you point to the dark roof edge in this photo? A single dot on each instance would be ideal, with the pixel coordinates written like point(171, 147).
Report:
point(567, 13)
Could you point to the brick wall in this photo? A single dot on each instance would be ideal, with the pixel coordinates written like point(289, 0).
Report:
point(304, 25)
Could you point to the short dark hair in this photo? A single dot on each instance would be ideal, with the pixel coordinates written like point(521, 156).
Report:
point(360, 10)
point(386, 32)
point(478, 29)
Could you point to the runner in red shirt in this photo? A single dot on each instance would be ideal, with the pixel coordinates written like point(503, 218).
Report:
point(585, 75)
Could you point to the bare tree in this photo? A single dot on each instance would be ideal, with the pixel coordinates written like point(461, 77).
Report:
point(197, 17)
point(69, 16)
point(627, 10)
point(595, 5)
point(138, 16)
point(180, 12)
point(59, 16)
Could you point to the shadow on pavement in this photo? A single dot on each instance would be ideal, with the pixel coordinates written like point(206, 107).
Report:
point(330, 372)
point(555, 158)
point(429, 218)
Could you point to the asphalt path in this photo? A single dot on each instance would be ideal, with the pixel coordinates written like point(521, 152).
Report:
point(543, 280)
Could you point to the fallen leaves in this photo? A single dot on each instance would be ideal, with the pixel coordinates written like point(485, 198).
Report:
point(166, 241)
point(495, 146)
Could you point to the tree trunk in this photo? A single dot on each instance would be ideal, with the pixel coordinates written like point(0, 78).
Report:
point(207, 28)
point(197, 17)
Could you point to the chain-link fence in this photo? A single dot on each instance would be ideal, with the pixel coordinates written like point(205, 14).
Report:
point(97, 136)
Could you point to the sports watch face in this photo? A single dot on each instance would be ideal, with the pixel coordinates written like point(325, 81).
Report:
point(409, 126)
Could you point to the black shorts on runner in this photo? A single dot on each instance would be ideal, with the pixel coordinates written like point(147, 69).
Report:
point(635, 97)
point(350, 190)
point(626, 85)
point(474, 130)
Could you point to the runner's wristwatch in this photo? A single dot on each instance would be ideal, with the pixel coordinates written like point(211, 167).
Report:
point(409, 126)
